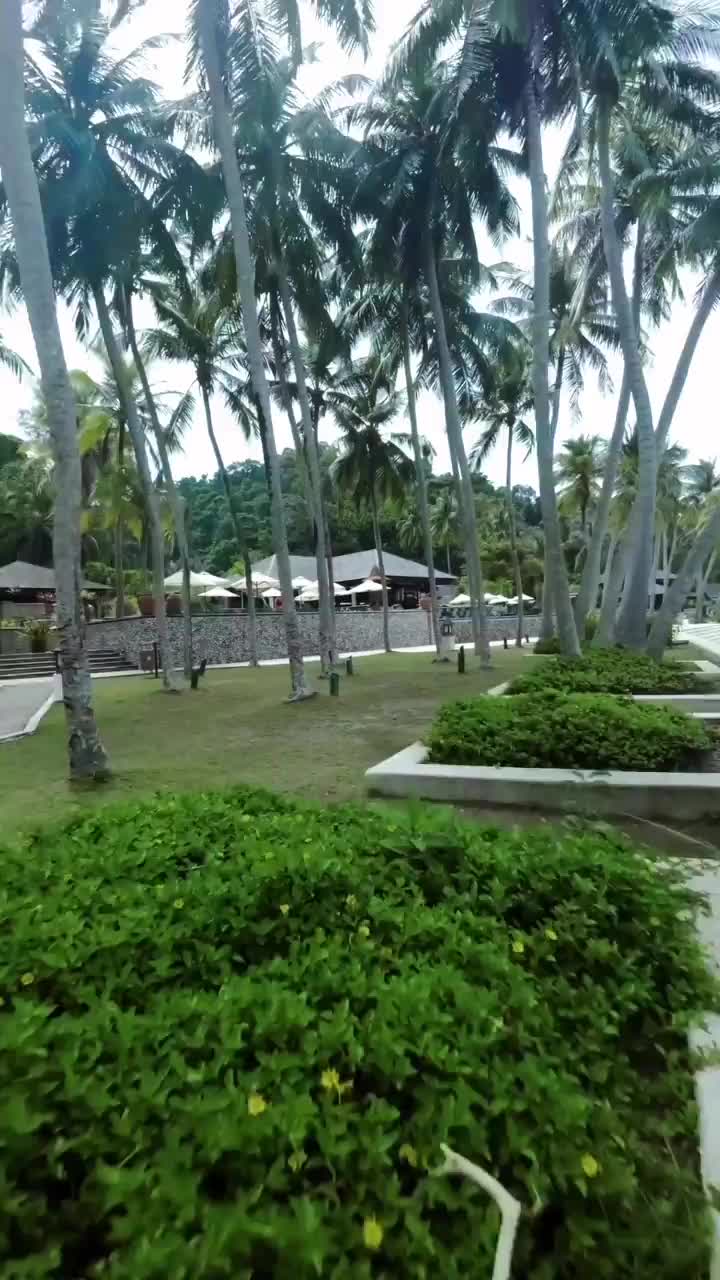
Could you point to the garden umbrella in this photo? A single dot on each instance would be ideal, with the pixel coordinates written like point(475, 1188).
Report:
point(462, 599)
point(196, 580)
point(218, 593)
point(303, 584)
point(368, 585)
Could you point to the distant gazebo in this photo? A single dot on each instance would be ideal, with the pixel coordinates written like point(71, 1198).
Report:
point(28, 590)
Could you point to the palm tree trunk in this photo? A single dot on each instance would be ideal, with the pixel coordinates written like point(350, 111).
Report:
point(423, 507)
point(118, 539)
point(448, 560)
point(587, 595)
point(547, 622)
point(237, 527)
point(670, 559)
point(632, 622)
point(556, 570)
point(325, 604)
point(513, 537)
point(152, 505)
point(461, 469)
point(704, 546)
point(177, 505)
point(614, 574)
point(702, 581)
point(381, 567)
point(679, 378)
point(245, 271)
point(86, 753)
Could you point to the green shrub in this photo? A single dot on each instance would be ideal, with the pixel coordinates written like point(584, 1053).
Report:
point(608, 671)
point(233, 1030)
point(550, 645)
point(566, 731)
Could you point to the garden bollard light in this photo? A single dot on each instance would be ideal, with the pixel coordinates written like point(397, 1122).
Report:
point(349, 666)
point(505, 644)
point(334, 684)
point(461, 660)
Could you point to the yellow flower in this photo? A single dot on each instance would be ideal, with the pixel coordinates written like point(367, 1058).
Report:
point(330, 1080)
point(351, 901)
point(284, 908)
point(363, 931)
point(372, 1233)
point(518, 946)
point(179, 903)
point(28, 979)
point(297, 1160)
point(590, 1166)
point(408, 1153)
point(551, 934)
point(2, 1001)
point(256, 1104)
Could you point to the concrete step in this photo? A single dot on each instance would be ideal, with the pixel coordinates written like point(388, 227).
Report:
point(19, 666)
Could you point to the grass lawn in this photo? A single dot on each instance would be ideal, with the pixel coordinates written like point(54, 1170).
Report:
point(238, 728)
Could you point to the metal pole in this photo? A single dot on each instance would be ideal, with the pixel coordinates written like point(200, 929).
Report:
point(156, 659)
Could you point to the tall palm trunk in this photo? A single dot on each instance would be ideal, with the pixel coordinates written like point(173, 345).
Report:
point(423, 506)
point(461, 469)
point(119, 536)
point(632, 623)
point(614, 574)
point(86, 753)
point(237, 527)
point(556, 571)
point(381, 566)
point(152, 505)
point(547, 622)
point(679, 378)
point(177, 505)
point(702, 581)
point(587, 595)
point(245, 271)
point(325, 602)
point(704, 546)
point(513, 537)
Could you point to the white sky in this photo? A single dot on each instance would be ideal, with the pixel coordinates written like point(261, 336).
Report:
point(695, 425)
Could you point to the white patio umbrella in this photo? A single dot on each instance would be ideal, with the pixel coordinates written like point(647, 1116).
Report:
point(196, 580)
point(260, 582)
point(272, 593)
point(515, 599)
point(367, 585)
point(340, 590)
point(498, 600)
point(218, 593)
point(303, 584)
point(462, 599)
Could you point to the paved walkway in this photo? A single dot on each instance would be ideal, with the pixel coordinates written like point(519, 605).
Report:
point(19, 702)
point(705, 879)
point(705, 635)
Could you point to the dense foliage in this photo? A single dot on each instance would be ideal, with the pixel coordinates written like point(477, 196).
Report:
point(570, 731)
point(609, 671)
point(234, 1032)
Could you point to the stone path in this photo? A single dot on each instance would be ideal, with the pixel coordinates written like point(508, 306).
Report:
point(20, 701)
point(705, 879)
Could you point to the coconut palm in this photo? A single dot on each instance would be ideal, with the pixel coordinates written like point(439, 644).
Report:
point(507, 400)
point(579, 471)
point(372, 467)
point(423, 184)
point(213, 25)
point(86, 752)
point(195, 328)
point(445, 520)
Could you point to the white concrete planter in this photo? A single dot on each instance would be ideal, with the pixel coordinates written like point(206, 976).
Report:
point(685, 797)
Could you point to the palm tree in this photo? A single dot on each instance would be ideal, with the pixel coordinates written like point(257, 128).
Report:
point(423, 185)
point(372, 468)
point(86, 752)
point(507, 400)
point(579, 471)
point(195, 328)
point(213, 26)
point(445, 520)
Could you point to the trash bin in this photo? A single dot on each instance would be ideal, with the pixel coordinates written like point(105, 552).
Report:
point(447, 633)
point(147, 660)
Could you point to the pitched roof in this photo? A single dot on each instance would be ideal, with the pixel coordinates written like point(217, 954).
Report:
point(21, 576)
point(354, 567)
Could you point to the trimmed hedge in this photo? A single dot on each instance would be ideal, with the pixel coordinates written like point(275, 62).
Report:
point(609, 671)
point(567, 731)
point(234, 1031)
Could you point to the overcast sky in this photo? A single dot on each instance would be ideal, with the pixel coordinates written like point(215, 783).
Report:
point(695, 423)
